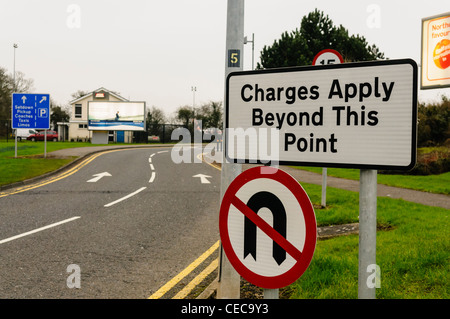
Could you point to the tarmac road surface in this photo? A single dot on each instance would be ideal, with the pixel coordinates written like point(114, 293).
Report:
point(126, 232)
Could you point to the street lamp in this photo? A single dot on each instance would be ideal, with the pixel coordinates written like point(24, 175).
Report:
point(14, 89)
point(253, 47)
point(14, 68)
point(193, 89)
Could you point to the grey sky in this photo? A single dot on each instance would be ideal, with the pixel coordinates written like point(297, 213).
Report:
point(155, 51)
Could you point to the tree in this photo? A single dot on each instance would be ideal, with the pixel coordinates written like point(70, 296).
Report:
point(434, 125)
point(155, 118)
point(317, 32)
point(23, 85)
point(79, 93)
point(209, 113)
point(58, 114)
point(185, 114)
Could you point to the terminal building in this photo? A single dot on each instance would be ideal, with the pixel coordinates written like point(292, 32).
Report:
point(78, 123)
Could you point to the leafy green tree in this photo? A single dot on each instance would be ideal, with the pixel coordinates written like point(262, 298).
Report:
point(434, 125)
point(155, 118)
point(58, 114)
point(185, 114)
point(317, 32)
point(7, 88)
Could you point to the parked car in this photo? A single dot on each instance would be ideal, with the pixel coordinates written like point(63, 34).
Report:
point(39, 136)
point(23, 133)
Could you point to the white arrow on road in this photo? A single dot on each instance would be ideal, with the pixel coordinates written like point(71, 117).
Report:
point(203, 178)
point(98, 176)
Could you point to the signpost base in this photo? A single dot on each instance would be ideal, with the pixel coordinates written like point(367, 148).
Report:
point(229, 280)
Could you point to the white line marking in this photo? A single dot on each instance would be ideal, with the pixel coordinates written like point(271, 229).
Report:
point(162, 152)
point(125, 197)
point(152, 178)
point(149, 159)
point(152, 155)
point(38, 230)
point(152, 167)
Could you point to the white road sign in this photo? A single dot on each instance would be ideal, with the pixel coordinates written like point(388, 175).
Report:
point(360, 115)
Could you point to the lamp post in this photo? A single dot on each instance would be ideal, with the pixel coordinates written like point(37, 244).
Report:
point(253, 48)
point(14, 68)
point(193, 89)
point(14, 89)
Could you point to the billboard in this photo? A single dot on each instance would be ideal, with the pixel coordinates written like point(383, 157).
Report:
point(116, 116)
point(436, 52)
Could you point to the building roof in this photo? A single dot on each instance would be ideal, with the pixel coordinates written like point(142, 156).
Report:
point(98, 90)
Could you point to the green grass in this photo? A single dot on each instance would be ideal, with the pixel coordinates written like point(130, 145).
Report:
point(30, 162)
point(431, 183)
point(413, 255)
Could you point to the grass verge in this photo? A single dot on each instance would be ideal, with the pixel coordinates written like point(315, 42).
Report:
point(30, 162)
point(439, 184)
point(413, 255)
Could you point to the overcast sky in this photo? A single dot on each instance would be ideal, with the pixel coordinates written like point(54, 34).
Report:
point(155, 51)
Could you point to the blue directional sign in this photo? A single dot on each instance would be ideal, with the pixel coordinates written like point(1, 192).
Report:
point(30, 111)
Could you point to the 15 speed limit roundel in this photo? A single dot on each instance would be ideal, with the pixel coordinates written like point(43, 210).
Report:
point(267, 227)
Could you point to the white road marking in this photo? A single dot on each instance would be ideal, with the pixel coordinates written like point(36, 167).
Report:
point(152, 178)
point(38, 230)
point(98, 177)
point(125, 197)
point(203, 178)
point(152, 167)
point(162, 152)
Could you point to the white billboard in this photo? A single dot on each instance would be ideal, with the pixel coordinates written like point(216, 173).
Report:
point(116, 116)
point(436, 52)
point(359, 115)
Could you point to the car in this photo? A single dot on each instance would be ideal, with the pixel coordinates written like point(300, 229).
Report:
point(23, 133)
point(39, 136)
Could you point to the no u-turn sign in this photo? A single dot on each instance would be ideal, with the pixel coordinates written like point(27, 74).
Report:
point(267, 227)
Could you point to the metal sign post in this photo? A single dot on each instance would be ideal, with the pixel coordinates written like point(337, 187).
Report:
point(326, 57)
point(367, 230)
point(229, 279)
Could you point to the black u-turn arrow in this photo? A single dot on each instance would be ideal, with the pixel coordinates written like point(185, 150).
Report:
point(273, 203)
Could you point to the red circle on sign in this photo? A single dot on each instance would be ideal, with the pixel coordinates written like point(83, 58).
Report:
point(303, 259)
point(327, 51)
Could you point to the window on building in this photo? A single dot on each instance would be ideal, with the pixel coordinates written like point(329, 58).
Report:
point(82, 126)
point(77, 110)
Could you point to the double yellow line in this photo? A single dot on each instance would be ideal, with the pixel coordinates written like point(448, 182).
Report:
point(201, 276)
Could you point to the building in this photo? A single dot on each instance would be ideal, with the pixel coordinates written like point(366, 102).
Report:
point(78, 123)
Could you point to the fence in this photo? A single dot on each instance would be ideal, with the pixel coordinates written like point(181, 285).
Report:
point(155, 133)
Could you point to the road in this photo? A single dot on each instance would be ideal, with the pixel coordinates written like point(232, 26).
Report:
point(128, 233)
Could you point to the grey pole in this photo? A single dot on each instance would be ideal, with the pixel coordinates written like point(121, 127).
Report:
point(14, 89)
point(229, 279)
point(367, 231)
point(324, 188)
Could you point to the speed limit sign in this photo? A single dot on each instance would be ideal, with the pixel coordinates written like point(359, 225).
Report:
point(327, 56)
